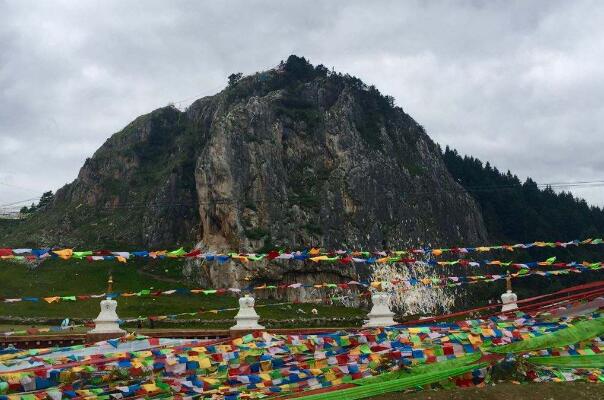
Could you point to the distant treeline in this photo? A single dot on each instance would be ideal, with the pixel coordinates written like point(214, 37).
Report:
point(516, 211)
point(522, 211)
point(46, 199)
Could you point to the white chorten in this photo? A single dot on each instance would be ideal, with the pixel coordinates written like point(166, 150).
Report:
point(380, 314)
point(509, 298)
point(247, 318)
point(107, 320)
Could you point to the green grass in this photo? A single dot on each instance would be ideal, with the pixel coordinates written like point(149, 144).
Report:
point(507, 390)
point(13, 327)
point(73, 277)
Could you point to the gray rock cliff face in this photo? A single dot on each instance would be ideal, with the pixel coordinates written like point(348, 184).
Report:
point(290, 157)
point(298, 166)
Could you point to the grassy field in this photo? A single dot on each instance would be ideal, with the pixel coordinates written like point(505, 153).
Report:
point(74, 277)
point(532, 391)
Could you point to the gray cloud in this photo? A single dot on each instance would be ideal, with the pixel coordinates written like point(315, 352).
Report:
point(517, 83)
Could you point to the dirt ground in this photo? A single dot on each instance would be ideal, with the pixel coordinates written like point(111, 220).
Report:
point(536, 391)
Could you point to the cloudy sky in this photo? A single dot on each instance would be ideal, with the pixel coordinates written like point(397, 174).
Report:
point(520, 84)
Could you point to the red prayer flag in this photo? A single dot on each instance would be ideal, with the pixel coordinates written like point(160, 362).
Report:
point(6, 252)
point(193, 253)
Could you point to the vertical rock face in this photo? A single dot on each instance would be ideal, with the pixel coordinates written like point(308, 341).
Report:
point(292, 157)
point(322, 160)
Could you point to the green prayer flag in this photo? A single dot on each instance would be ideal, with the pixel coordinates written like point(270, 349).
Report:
point(581, 331)
point(177, 253)
point(365, 349)
point(583, 361)
point(81, 254)
point(162, 385)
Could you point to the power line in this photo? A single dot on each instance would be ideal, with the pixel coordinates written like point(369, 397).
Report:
point(484, 188)
point(19, 202)
point(197, 96)
point(193, 203)
point(569, 183)
point(18, 187)
point(540, 185)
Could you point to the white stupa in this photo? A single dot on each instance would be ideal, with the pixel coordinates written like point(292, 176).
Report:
point(247, 318)
point(509, 298)
point(107, 321)
point(380, 314)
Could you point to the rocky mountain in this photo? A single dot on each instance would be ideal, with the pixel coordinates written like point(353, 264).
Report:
point(290, 157)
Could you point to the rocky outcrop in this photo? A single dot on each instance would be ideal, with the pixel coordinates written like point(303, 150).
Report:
point(323, 161)
point(290, 157)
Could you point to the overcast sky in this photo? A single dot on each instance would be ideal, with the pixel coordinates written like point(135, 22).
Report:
point(520, 84)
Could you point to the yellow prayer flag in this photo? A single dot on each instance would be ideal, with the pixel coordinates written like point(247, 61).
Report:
point(475, 339)
point(150, 387)
point(205, 363)
point(64, 254)
point(51, 299)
